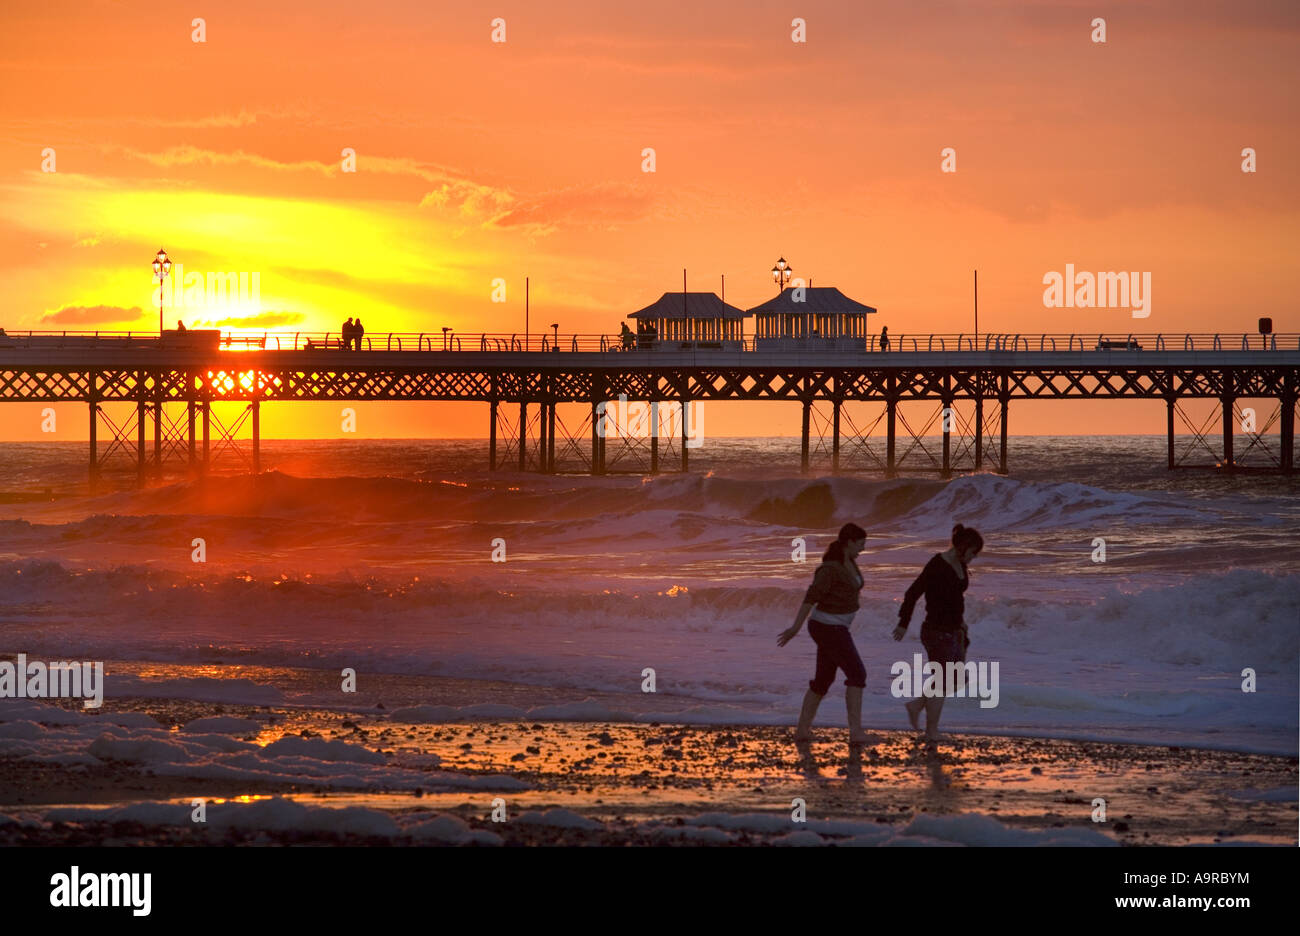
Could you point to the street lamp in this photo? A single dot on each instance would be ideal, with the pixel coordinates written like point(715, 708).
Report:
point(445, 329)
point(161, 267)
point(555, 326)
point(781, 273)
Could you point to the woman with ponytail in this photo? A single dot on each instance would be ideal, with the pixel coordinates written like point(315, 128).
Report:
point(832, 600)
point(943, 581)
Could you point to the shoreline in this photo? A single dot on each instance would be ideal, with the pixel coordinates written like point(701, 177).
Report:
point(299, 771)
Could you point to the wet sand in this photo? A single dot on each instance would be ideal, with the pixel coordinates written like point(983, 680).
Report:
point(641, 777)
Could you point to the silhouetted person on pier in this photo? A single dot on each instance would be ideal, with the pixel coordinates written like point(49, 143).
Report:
point(180, 326)
point(884, 338)
point(626, 335)
point(345, 340)
point(358, 330)
point(943, 581)
point(832, 599)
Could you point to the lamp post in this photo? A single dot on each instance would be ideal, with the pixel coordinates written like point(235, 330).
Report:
point(445, 329)
point(555, 326)
point(781, 273)
point(161, 267)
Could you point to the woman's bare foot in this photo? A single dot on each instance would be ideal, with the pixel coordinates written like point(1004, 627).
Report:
point(914, 709)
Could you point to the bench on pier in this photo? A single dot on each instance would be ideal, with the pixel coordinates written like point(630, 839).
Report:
point(324, 344)
point(1106, 344)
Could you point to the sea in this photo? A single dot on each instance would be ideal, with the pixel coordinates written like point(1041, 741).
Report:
point(1118, 600)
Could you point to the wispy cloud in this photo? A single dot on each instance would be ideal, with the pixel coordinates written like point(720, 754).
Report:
point(260, 320)
point(601, 205)
point(92, 315)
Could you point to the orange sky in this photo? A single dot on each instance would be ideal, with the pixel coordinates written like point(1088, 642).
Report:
point(478, 160)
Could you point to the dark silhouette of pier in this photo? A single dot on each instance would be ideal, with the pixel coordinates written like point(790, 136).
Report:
point(173, 381)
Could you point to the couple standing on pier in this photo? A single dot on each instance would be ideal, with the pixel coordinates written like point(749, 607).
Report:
point(832, 600)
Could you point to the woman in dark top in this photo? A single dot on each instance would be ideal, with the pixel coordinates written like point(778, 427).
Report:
point(832, 598)
point(943, 581)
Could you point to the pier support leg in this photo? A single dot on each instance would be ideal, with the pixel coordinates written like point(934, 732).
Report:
point(523, 435)
point(979, 433)
point(803, 450)
point(207, 437)
point(1228, 462)
point(945, 418)
point(686, 415)
point(541, 439)
point(891, 435)
point(94, 445)
point(1169, 423)
point(550, 439)
point(1002, 455)
point(157, 437)
point(1286, 434)
point(139, 441)
point(835, 440)
point(654, 437)
point(193, 450)
point(257, 436)
point(492, 435)
point(595, 438)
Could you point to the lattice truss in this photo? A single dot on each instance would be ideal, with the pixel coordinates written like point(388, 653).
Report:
point(579, 385)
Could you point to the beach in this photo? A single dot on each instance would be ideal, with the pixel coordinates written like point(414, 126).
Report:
point(384, 772)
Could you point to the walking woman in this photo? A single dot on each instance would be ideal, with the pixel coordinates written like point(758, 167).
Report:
point(832, 599)
point(943, 581)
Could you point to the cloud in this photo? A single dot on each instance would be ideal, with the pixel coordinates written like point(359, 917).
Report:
point(193, 156)
point(601, 205)
point(92, 315)
point(260, 320)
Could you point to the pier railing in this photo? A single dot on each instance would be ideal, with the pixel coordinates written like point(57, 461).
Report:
point(641, 344)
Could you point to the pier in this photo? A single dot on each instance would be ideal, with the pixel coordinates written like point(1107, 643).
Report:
point(150, 398)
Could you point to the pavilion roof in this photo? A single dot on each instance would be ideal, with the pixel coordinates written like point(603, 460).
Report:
point(697, 305)
point(816, 299)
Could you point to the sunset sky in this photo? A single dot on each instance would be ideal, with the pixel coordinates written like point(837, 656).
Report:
point(478, 160)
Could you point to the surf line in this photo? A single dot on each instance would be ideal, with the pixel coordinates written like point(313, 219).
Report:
point(37, 680)
point(928, 680)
